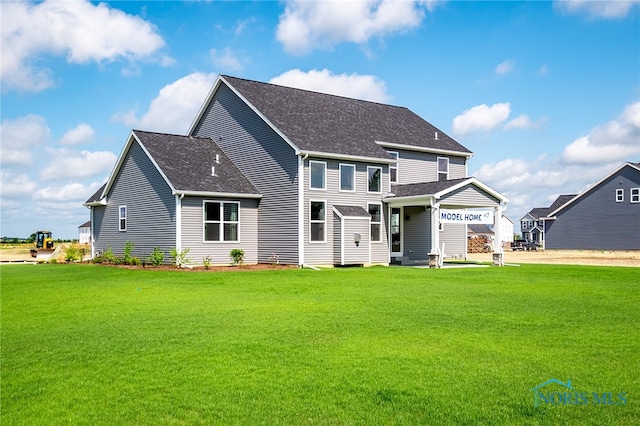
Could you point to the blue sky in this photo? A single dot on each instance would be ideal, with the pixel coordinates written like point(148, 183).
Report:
point(546, 94)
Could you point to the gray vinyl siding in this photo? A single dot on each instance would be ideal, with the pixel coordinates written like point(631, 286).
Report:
point(596, 221)
point(415, 166)
point(193, 232)
point(469, 196)
point(417, 232)
point(337, 246)
point(267, 161)
point(356, 254)
point(454, 238)
point(151, 219)
point(317, 253)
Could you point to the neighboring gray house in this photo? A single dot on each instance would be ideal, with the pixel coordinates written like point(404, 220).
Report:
point(532, 224)
point(606, 216)
point(317, 179)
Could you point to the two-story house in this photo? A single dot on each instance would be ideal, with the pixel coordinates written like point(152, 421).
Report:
point(311, 178)
point(532, 224)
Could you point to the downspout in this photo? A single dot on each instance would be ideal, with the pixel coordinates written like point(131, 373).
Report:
point(179, 221)
point(301, 159)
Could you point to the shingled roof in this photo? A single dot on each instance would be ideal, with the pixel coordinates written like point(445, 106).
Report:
point(319, 122)
point(187, 161)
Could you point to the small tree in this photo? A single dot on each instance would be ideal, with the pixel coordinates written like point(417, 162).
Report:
point(157, 257)
point(237, 256)
point(128, 249)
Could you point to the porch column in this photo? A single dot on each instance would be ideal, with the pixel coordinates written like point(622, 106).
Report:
point(498, 254)
point(434, 254)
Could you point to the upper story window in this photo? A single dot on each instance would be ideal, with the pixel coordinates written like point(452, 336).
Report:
point(393, 168)
point(635, 195)
point(317, 220)
point(443, 168)
point(122, 218)
point(347, 177)
point(221, 221)
point(374, 176)
point(318, 175)
point(619, 195)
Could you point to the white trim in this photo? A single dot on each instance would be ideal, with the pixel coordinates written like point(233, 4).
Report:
point(221, 222)
point(401, 229)
point(324, 229)
point(215, 194)
point(353, 180)
point(374, 192)
point(324, 176)
point(636, 195)
point(347, 157)
point(179, 222)
point(396, 166)
point(424, 149)
point(595, 185)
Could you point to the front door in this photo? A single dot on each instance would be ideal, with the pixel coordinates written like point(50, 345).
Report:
point(395, 231)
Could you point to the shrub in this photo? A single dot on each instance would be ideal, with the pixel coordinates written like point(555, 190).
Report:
point(179, 257)
point(72, 254)
point(237, 256)
point(206, 261)
point(135, 261)
point(108, 256)
point(274, 259)
point(157, 257)
point(128, 248)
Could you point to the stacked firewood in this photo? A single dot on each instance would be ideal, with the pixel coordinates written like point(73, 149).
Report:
point(479, 244)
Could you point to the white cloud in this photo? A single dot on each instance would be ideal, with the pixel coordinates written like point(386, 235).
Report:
point(66, 164)
point(524, 122)
point(20, 136)
point(604, 9)
point(366, 87)
point(481, 118)
point(307, 25)
point(174, 108)
point(73, 192)
point(78, 30)
point(80, 134)
point(15, 185)
point(225, 59)
point(505, 67)
point(613, 141)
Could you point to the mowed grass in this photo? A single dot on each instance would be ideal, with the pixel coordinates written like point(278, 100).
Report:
point(85, 344)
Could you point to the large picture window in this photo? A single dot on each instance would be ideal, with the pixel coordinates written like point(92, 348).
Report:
point(221, 221)
point(347, 177)
point(443, 168)
point(317, 216)
point(122, 218)
point(318, 172)
point(374, 175)
point(375, 210)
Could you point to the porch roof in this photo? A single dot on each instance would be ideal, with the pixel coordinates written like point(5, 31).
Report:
point(436, 190)
point(351, 211)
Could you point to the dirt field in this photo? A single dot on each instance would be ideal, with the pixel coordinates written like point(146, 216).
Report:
point(572, 257)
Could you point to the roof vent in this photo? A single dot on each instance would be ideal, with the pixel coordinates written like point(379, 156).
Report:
point(436, 135)
point(213, 170)
point(217, 158)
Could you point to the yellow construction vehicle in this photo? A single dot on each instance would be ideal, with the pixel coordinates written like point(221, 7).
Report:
point(44, 246)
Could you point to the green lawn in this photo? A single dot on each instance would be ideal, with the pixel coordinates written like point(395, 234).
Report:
point(85, 344)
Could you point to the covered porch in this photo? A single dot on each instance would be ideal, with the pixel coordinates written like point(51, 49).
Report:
point(428, 221)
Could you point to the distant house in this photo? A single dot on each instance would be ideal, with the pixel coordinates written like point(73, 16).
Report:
point(606, 216)
point(84, 233)
point(532, 224)
point(314, 179)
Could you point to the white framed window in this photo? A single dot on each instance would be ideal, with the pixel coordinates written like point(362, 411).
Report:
point(635, 195)
point(619, 195)
point(221, 221)
point(443, 168)
point(374, 179)
point(122, 218)
point(375, 210)
point(393, 168)
point(347, 177)
point(317, 175)
point(317, 221)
